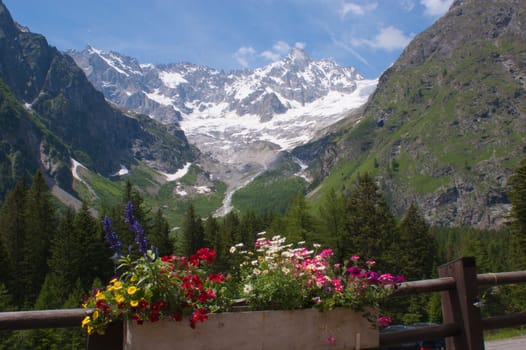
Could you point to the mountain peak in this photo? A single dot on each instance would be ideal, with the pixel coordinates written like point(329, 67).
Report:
point(298, 55)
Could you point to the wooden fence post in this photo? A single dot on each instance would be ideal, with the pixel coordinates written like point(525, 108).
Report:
point(458, 305)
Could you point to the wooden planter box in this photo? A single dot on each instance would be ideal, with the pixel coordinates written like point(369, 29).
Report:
point(273, 330)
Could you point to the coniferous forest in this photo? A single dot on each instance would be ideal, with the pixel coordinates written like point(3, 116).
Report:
point(51, 256)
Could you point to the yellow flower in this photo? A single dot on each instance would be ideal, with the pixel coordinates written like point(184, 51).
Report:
point(131, 290)
point(90, 330)
point(100, 295)
point(119, 298)
point(134, 303)
point(85, 321)
point(113, 280)
point(117, 285)
point(95, 315)
point(133, 278)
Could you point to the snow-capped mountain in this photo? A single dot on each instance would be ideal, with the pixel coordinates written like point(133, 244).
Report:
point(241, 119)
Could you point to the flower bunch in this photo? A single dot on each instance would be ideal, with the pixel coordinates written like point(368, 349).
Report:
point(283, 276)
point(152, 288)
point(269, 277)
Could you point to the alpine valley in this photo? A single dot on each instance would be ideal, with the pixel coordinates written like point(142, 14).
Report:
point(242, 122)
point(443, 127)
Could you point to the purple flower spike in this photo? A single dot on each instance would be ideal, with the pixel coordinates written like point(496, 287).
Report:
point(111, 237)
point(135, 227)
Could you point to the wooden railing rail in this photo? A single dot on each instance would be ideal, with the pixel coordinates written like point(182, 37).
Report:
point(20, 320)
point(488, 279)
point(458, 283)
point(462, 324)
point(416, 334)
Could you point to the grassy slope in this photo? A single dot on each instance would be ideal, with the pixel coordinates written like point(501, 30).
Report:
point(104, 193)
point(448, 120)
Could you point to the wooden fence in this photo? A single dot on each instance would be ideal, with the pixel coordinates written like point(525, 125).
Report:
point(462, 324)
point(458, 283)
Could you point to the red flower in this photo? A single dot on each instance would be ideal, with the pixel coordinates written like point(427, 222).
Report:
point(199, 315)
point(153, 316)
point(143, 305)
point(204, 296)
point(154, 306)
point(203, 254)
point(177, 315)
point(216, 277)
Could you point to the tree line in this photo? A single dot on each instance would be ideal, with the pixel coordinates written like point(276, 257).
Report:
point(50, 256)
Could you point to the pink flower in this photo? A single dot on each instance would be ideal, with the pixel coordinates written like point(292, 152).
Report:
point(370, 263)
point(386, 278)
point(326, 252)
point(355, 271)
point(384, 321)
point(330, 340)
point(337, 283)
point(355, 258)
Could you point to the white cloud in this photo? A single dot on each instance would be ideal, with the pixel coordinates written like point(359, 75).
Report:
point(244, 55)
point(248, 56)
point(389, 39)
point(280, 49)
point(436, 7)
point(356, 9)
point(300, 45)
point(407, 5)
point(270, 55)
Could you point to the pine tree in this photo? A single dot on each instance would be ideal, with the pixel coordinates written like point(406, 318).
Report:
point(299, 223)
point(159, 235)
point(213, 239)
point(416, 256)
point(211, 232)
point(517, 195)
point(370, 228)
point(417, 249)
point(13, 236)
point(193, 231)
point(332, 223)
point(249, 226)
point(64, 263)
point(230, 229)
point(94, 254)
point(40, 227)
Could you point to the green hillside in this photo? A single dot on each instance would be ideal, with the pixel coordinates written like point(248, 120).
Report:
point(447, 123)
point(173, 197)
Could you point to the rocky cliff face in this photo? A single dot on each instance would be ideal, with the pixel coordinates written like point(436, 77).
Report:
point(447, 124)
point(176, 91)
point(63, 106)
point(240, 121)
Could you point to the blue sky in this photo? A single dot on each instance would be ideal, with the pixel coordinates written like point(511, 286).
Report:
point(234, 34)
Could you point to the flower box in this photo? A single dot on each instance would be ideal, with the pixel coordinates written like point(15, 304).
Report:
point(306, 329)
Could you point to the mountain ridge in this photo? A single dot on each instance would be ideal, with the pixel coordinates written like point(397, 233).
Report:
point(447, 123)
point(240, 120)
point(69, 119)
